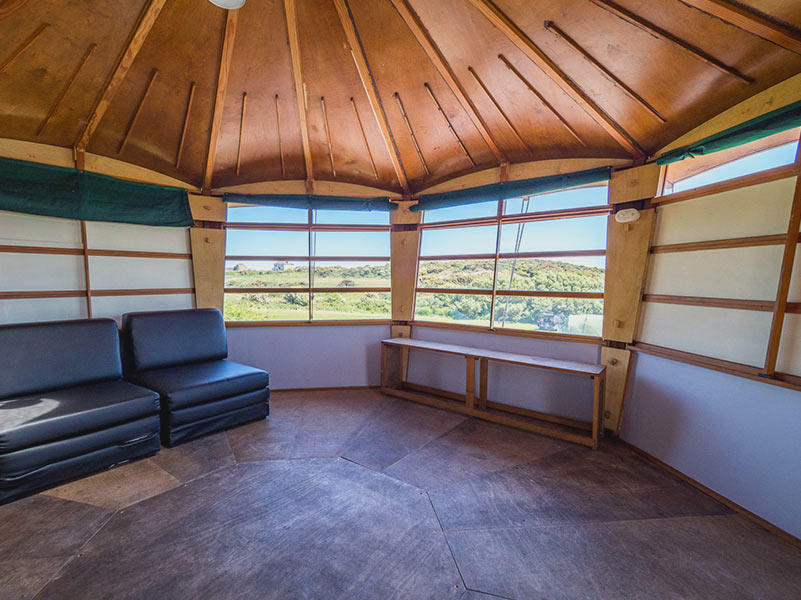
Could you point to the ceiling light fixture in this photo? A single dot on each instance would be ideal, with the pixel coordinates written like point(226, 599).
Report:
point(229, 4)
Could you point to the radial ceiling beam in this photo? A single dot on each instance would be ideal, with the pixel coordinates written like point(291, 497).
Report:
point(297, 74)
point(751, 22)
point(437, 58)
point(143, 27)
point(9, 6)
point(227, 53)
point(538, 57)
point(357, 52)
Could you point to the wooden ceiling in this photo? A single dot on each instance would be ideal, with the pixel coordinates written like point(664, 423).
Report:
point(393, 94)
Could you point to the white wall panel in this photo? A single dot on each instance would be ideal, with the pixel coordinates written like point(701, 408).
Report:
point(762, 209)
point(115, 306)
point(118, 273)
point(30, 230)
point(42, 309)
point(742, 273)
point(735, 335)
point(122, 236)
point(317, 356)
point(40, 272)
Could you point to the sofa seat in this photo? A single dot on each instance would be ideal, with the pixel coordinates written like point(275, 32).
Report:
point(199, 383)
point(46, 417)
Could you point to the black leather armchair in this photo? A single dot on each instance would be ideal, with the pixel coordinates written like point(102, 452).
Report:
point(64, 409)
point(181, 354)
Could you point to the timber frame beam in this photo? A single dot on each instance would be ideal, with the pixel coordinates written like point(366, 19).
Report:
point(294, 52)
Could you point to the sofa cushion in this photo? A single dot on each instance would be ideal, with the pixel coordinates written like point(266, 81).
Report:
point(197, 383)
point(155, 340)
point(47, 356)
point(46, 417)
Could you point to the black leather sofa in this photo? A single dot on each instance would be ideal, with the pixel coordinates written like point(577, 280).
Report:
point(181, 354)
point(65, 410)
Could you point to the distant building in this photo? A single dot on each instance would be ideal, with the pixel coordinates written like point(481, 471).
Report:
point(240, 267)
point(280, 265)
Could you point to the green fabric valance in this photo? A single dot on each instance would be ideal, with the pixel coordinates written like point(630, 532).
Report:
point(307, 201)
point(50, 191)
point(757, 128)
point(511, 189)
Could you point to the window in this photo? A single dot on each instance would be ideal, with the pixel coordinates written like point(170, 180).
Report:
point(760, 155)
point(534, 263)
point(287, 264)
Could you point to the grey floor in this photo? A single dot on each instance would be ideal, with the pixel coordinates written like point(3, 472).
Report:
point(355, 495)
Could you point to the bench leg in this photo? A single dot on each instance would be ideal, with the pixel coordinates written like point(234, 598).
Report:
point(597, 408)
point(482, 383)
point(470, 387)
point(391, 366)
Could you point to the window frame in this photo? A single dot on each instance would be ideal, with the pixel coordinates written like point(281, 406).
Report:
point(498, 221)
point(311, 227)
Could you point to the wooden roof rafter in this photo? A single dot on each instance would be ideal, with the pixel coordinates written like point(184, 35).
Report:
point(370, 88)
point(135, 42)
point(750, 21)
point(524, 43)
point(434, 54)
point(9, 6)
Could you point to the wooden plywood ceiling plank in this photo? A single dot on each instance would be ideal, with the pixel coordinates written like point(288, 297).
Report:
point(434, 54)
point(9, 6)
point(231, 20)
point(552, 70)
point(359, 58)
point(137, 39)
point(749, 21)
point(67, 85)
point(294, 52)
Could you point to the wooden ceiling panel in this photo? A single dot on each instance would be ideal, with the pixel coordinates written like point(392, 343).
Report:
point(389, 42)
point(456, 27)
point(261, 68)
point(329, 72)
point(44, 80)
point(182, 55)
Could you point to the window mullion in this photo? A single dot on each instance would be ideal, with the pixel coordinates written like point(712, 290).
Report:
point(501, 204)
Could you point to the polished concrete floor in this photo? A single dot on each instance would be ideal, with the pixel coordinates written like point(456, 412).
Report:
point(354, 495)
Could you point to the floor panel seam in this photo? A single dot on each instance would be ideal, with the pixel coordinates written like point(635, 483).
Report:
point(447, 542)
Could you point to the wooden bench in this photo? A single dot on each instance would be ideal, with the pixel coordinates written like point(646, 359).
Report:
point(394, 369)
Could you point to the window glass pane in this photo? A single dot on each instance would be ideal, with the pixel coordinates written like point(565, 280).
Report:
point(266, 274)
point(584, 233)
point(459, 240)
point(561, 315)
point(267, 214)
point(352, 305)
point(466, 309)
point(573, 198)
point(240, 242)
point(456, 274)
point(351, 274)
point(568, 274)
point(267, 307)
point(352, 217)
point(754, 163)
point(468, 211)
point(350, 243)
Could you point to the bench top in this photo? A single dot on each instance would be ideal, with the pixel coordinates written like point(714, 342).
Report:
point(566, 366)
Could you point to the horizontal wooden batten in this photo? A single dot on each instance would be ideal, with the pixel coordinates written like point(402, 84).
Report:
point(305, 227)
point(744, 242)
point(545, 335)
point(733, 303)
point(724, 366)
point(90, 252)
point(246, 257)
point(317, 323)
point(544, 254)
point(95, 293)
point(774, 174)
point(547, 215)
point(143, 292)
point(302, 290)
point(43, 294)
point(523, 293)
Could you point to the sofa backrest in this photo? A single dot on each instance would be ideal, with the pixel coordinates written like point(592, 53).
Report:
point(38, 357)
point(159, 339)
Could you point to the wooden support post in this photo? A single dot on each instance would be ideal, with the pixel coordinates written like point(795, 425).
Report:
point(482, 383)
point(618, 365)
point(391, 365)
point(208, 265)
point(470, 383)
point(404, 242)
point(597, 408)
point(87, 279)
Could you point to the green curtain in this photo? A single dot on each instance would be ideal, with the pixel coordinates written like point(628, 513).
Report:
point(50, 191)
point(757, 128)
point(307, 201)
point(511, 189)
